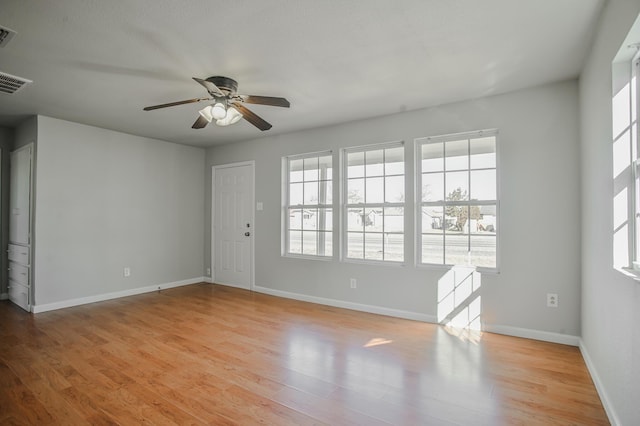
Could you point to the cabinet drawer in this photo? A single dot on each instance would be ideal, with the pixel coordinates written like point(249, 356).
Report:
point(19, 295)
point(19, 273)
point(18, 254)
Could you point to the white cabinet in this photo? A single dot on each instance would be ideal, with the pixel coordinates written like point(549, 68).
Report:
point(19, 249)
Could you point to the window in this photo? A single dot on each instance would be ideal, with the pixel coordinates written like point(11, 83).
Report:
point(626, 165)
point(458, 208)
point(309, 205)
point(374, 203)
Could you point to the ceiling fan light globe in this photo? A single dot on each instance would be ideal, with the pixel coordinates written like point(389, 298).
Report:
point(206, 113)
point(218, 111)
point(233, 116)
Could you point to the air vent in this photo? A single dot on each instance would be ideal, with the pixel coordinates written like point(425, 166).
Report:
point(10, 83)
point(5, 36)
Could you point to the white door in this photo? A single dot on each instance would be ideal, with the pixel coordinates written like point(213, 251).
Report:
point(233, 225)
point(19, 250)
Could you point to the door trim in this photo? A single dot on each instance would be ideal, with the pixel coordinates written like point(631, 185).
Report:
point(252, 164)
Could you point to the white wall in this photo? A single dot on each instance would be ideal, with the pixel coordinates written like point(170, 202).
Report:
point(106, 200)
point(540, 217)
point(610, 300)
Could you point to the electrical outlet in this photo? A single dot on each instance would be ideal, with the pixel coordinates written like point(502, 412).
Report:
point(127, 271)
point(353, 282)
point(208, 272)
point(552, 300)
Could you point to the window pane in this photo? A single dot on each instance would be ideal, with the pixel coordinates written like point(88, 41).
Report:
point(373, 220)
point(433, 157)
point(483, 153)
point(355, 220)
point(373, 246)
point(295, 170)
point(311, 169)
point(355, 191)
point(483, 185)
point(394, 189)
point(309, 242)
point(483, 251)
point(311, 193)
point(355, 243)
point(295, 242)
point(456, 249)
point(326, 192)
point(394, 219)
point(457, 155)
point(432, 220)
point(457, 186)
point(457, 219)
point(487, 224)
point(295, 194)
point(374, 190)
point(355, 164)
point(433, 248)
point(374, 162)
point(325, 244)
point(394, 161)
point(432, 186)
point(310, 219)
point(326, 167)
point(325, 219)
point(295, 219)
point(394, 247)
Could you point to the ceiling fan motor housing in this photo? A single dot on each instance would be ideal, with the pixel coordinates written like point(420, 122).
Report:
point(225, 84)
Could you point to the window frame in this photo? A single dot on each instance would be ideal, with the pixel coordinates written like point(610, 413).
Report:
point(345, 205)
point(286, 206)
point(420, 204)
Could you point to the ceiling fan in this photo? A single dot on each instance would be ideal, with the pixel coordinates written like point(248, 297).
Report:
point(227, 106)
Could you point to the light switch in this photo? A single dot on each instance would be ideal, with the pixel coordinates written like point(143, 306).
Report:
point(259, 206)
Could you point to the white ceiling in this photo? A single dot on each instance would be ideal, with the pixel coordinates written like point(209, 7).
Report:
point(100, 62)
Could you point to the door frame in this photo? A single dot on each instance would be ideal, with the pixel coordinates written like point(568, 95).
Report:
point(252, 164)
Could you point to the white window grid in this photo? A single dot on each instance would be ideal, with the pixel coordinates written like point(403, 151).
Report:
point(319, 212)
point(386, 236)
point(444, 203)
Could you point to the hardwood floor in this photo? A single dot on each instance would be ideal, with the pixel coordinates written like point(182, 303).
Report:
point(208, 354)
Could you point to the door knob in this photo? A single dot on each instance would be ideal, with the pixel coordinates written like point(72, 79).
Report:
point(246, 234)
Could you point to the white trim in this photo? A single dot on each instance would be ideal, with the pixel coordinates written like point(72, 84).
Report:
point(602, 393)
point(114, 295)
point(4, 296)
point(545, 336)
point(349, 305)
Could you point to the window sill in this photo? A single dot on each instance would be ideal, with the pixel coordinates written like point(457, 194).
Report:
point(308, 257)
point(480, 269)
point(632, 273)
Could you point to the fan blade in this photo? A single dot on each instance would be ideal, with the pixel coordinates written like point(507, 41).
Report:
point(211, 88)
point(266, 100)
point(251, 117)
point(200, 123)
point(170, 104)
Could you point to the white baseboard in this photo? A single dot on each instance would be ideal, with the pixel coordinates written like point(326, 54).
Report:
point(602, 393)
point(499, 329)
point(115, 295)
point(4, 296)
point(545, 336)
point(347, 305)
point(207, 280)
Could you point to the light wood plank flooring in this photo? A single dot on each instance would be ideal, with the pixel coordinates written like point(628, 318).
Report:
point(209, 354)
